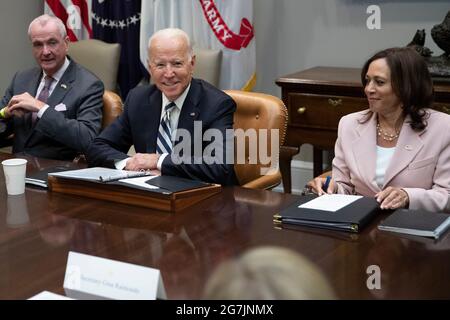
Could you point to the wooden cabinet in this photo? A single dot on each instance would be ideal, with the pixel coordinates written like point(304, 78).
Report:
point(316, 99)
point(319, 111)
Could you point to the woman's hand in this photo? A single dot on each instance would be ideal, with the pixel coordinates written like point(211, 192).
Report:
point(317, 185)
point(392, 198)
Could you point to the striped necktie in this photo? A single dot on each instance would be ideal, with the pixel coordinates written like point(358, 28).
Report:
point(164, 141)
point(43, 95)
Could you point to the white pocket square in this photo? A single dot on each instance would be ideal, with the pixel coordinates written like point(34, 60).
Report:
point(61, 107)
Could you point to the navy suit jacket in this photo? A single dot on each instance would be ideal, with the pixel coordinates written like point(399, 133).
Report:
point(139, 123)
point(59, 134)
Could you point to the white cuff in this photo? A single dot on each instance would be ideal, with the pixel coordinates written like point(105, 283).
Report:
point(160, 160)
point(41, 112)
point(121, 163)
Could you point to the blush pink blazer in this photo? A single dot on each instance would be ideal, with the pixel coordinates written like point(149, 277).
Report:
point(420, 164)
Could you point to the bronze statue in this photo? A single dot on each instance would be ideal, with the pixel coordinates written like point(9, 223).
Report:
point(439, 66)
point(441, 35)
point(418, 43)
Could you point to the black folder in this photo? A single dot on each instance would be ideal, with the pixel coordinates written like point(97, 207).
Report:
point(417, 222)
point(40, 178)
point(351, 218)
point(176, 184)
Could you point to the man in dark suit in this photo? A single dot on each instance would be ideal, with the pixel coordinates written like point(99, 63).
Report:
point(54, 110)
point(155, 117)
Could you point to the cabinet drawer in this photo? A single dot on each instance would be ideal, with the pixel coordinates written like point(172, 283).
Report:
point(321, 111)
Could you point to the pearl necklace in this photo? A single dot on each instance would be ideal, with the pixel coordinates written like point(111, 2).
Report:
point(386, 136)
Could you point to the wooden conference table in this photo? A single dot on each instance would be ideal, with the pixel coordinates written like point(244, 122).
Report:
point(39, 228)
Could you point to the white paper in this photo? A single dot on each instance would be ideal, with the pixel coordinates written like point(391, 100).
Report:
point(92, 174)
point(89, 277)
point(330, 202)
point(140, 182)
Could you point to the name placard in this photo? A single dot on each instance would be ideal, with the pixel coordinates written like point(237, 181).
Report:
point(90, 277)
point(47, 295)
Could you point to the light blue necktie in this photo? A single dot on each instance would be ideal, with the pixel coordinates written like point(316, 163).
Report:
point(164, 141)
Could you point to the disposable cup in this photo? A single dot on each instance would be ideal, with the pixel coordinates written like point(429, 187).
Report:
point(14, 170)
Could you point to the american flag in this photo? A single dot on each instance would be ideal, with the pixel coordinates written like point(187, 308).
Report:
point(75, 14)
point(118, 21)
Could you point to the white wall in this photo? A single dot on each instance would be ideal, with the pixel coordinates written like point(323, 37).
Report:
point(15, 53)
point(292, 35)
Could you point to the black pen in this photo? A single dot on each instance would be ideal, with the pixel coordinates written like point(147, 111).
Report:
point(125, 175)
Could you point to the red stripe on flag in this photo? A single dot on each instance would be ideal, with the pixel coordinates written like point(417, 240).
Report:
point(82, 4)
point(60, 11)
point(221, 30)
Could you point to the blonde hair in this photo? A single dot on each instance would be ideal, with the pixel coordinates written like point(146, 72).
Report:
point(268, 273)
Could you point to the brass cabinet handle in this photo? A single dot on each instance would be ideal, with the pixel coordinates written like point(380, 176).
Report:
point(301, 110)
point(334, 102)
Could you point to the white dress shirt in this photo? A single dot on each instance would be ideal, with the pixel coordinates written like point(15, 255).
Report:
point(384, 156)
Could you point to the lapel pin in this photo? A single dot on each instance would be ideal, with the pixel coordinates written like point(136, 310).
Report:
point(192, 114)
point(63, 85)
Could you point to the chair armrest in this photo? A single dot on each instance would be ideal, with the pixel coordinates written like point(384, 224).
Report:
point(267, 182)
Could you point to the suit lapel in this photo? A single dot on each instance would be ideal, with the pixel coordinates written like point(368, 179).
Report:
point(408, 145)
point(154, 105)
point(34, 82)
point(63, 86)
point(190, 111)
point(33, 85)
point(364, 152)
point(58, 94)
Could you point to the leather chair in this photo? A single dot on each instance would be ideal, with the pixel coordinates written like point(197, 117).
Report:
point(208, 65)
point(258, 111)
point(112, 108)
point(99, 57)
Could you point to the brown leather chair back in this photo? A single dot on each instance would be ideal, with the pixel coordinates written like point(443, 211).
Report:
point(112, 108)
point(258, 111)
